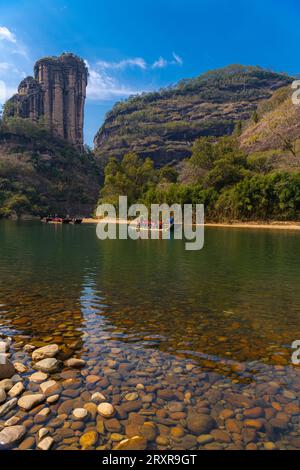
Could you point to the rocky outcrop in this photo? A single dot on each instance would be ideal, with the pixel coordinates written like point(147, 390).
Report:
point(55, 95)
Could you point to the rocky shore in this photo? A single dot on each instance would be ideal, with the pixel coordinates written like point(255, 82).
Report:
point(141, 400)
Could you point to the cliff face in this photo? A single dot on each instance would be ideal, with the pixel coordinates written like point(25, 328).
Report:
point(163, 125)
point(56, 94)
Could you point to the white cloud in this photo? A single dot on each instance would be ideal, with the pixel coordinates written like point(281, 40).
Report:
point(122, 64)
point(102, 86)
point(177, 59)
point(162, 63)
point(7, 35)
point(14, 61)
point(140, 63)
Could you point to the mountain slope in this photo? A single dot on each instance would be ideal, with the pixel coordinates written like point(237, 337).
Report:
point(276, 134)
point(43, 175)
point(163, 125)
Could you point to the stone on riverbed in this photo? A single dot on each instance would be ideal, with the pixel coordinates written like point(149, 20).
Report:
point(27, 402)
point(12, 421)
point(2, 395)
point(9, 405)
point(46, 443)
point(106, 410)
point(20, 367)
point(16, 390)
point(46, 385)
point(45, 352)
point(52, 399)
point(80, 413)
point(7, 370)
point(38, 377)
point(6, 384)
point(134, 443)
point(88, 439)
point(42, 433)
point(11, 435)
point(47, 365)
point(98, 397)
point(131, 396)
point(75, 362)
point(200, 423)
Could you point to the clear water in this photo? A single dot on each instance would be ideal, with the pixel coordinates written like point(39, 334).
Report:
point(231, 310)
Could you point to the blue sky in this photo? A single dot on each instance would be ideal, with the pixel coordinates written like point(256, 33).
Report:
point(140, 45)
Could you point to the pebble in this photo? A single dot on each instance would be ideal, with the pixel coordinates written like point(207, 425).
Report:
point(9, 405)
point(269, 446)
point(16, 390)
point(27, 402)
point(12, 421)
point(42, 433)
point(11, 435)
point(6, 384)
point(52, 399)
point(133, 443)
point(38, 377)
point(47, 365)
point(46, 443)
point(131, 396)
point(98, 397)
point(88, 439)
point(74, 362)
point(45, 352)
point(80, 413)
point(7, 369)
point(2, 395)
point(19, 367)
point(27, 444)
point(106, 410)
point(200, 423)
point(205, 439)
point(47, 385)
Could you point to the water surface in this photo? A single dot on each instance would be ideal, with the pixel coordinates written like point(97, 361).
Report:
point(223, 317)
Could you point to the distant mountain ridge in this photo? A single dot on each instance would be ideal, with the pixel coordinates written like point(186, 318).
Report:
point(164, 124)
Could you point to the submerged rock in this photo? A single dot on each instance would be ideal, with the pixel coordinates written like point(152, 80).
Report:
point(200, 423)
point(2, 395)
point(74, 362)
point(6, 384)
point(27, 402)
point(88, 439)
point(106, 409)
point(7, 370)
point(46, 443)
point(16, 390)
point(45, 352)
point(47, 365)
point(38, 377)
point(9, 405)
point(80, 413)
point(134, 443)
point(11, 435)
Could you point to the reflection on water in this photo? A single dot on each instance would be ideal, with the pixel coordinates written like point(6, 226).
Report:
point(229, 309)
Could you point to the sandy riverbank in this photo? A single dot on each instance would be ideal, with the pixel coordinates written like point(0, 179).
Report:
point(247, 225)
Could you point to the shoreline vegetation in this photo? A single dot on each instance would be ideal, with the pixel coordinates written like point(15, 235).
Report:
point(274, 225)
